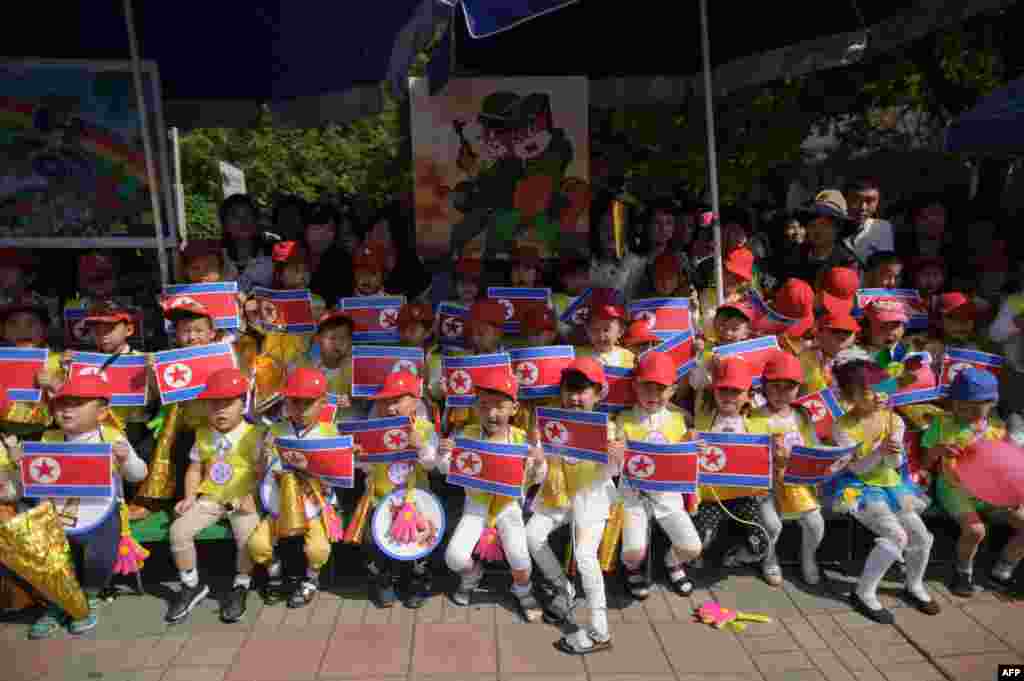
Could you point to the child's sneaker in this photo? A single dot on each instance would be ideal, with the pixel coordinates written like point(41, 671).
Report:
point(468, 583)
point(384, 591)
point(304, 593)
point(962, 584)
point(88, 622)
point(48, 624)
point(638, 584)
point(188, 598)
point(529, 608)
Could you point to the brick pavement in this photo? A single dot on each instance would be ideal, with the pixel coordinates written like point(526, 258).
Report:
point(813, 636)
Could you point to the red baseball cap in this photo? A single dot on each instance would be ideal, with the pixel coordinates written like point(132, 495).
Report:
point(886, 311)
point(109, 311)
point(305, 383)
point(488, 311)
point(526, 256)
point(89, 386)
point(498, 379)
point(416, 313)
point(469, 268)
point(400, 383)
point(839, 287)
point(733, 372)
point(740, 261)
point(367, 257)
point(177, 307)
point(604, 304)
point(796, 300)
point(639, 332)
point(591, 369)
point(842, 321)
point(656, 367)
point(956, 304)
point(334, 315)
point(784, 366)
point(288, 252)
point(200, 248)
point(540, 319)
point(225, 384)
point(743, 307)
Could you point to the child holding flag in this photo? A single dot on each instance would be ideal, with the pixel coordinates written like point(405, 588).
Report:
point(654, 419)
point(399, 396)
point(790, 427)
point(837, 333)
point(639, 338)
point(221, 481)
point(334, 338)
point(876, 490)
point(580, 492)
point(24, 323)
point(415, 326)
point(305, 395)
point(368, 265)
point(738, 278)
point(497, 404)
point(972, 396)
point(604, 329)
point(80, 406)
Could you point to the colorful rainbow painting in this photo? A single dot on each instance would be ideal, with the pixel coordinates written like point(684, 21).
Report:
point(103, 145)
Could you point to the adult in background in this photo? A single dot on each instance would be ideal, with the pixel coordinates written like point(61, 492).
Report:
point(243, 239)
point(625, 274)
point(330, 241)
point(663, 224)
point(868, 234)
point(392, 230)
point(825, 220)
point(927, 235)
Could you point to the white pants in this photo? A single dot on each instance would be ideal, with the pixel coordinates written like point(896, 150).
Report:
point(545, 521)
point(669, 509)
point(772, 523)
point(511, 529)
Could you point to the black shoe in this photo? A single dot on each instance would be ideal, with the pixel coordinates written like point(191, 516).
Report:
point(896, 573)
point(931, 607)
point(384, 591)
point(274, 591)
point(880, 616)
point(188, 598)
point(303, 594)
point(416, 598)
point(962, 584)
point(638, 585)
point(233, 607)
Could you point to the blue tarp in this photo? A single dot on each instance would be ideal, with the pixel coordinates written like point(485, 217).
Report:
point(994, 127)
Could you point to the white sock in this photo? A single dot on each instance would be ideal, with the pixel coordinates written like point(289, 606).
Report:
point(521, 589)
point(190, 578)
point(599, 622)
point(879, 560)
point(917, 563)
point(1004, 569)
point(243, 580)
point(274, 570)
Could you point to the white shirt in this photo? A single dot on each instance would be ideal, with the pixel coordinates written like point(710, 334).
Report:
point(874, 236)
point(1005, 331)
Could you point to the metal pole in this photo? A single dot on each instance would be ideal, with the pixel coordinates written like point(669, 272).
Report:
point(147, 141)
point(179, 194)
point(709, 116)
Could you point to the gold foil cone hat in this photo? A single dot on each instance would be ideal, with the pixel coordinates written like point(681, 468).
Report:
point(33, 546)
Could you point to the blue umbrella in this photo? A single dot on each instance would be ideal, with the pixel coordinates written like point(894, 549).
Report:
point(994, 126)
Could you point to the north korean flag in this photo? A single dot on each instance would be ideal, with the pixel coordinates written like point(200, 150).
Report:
point(220, 298)
point(329, 414)
point(384, 440)
point(539, 370)
point(459, 375)
point(375, 317)
point(910, 298)
point(371, 365)
point(665, 317)
point(661, 467)
point(451, 319)
point(736, 460)
point(957, 359)
point(66, 469)
point(518, 302)
point(78, 335)
point(902, 398)
point(680, 348)
point(756, 352)
point(328, 458)
point(574, 434)
point(491, 467)
point(765, 318)
point(618, 394)
point(181, 374)
point(577, 313)
point(814, 465)
point(286, 311)
point(824, 410)
point(19, 367)
point(126, 375)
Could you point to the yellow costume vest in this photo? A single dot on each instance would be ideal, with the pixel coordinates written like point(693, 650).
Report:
point(792, 499)
point(243, 459)
point(881, 475)
point(31, 417)
point(379, 476)
point(565, 479)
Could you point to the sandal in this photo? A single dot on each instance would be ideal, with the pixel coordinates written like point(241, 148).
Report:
point(582, 642)
point(529, 608)
point(47, 625)
point(679, 581)
point(772, 573)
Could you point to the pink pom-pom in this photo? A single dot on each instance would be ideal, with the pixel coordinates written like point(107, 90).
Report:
point(335, 532)
point(404, 523)
point(130, 556)
point(711, 612)
point(489, 546)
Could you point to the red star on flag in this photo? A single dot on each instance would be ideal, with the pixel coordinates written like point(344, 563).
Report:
point(43, 469)
point(460, 382)
point(640, 465)
point(177, 375)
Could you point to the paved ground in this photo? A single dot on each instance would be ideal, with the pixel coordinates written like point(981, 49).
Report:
point(814, 635)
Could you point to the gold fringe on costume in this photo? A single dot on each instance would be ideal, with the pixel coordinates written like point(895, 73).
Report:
point(291, 522)
point(161, 481)
point(609, 547)
point(619, 226)
point(34, 547)
point(357, 526)
point(13, 596)
point(554, 492)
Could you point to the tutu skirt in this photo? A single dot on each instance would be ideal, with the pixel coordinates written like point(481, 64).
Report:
point(847, 493)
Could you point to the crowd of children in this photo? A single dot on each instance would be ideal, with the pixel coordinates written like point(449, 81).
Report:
point(224, 444)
